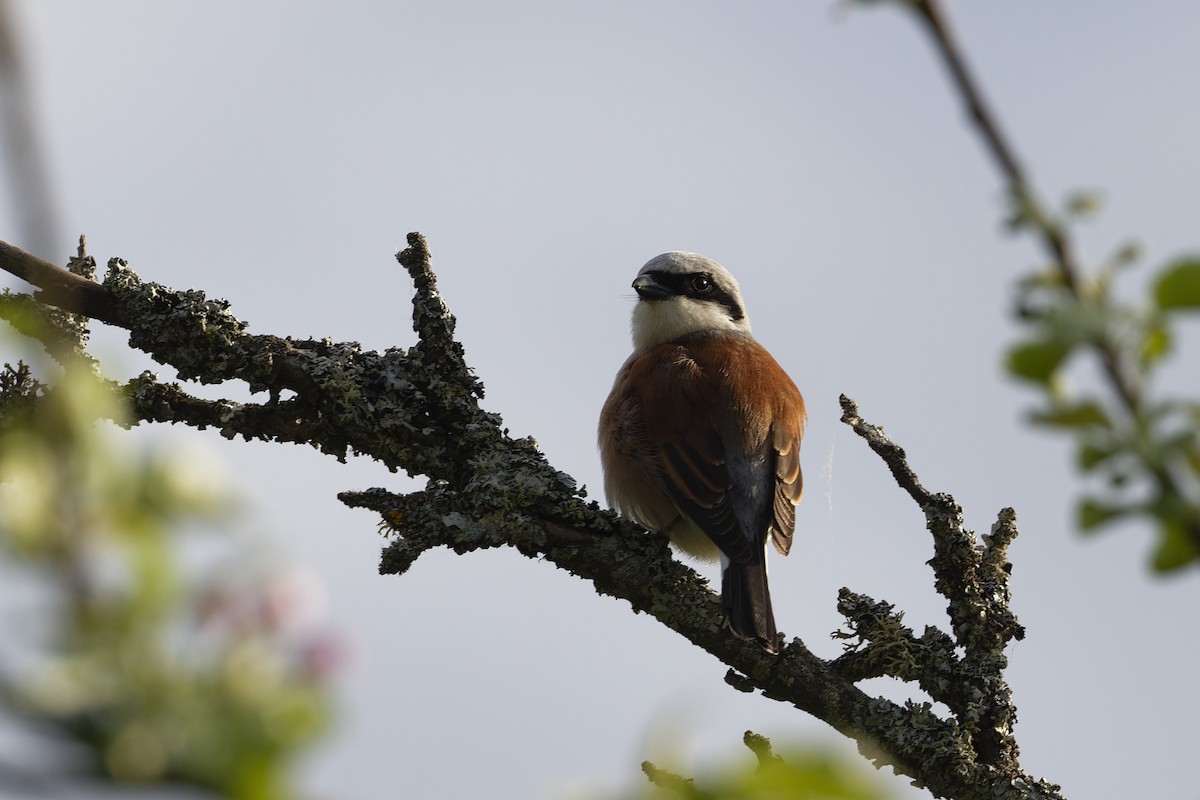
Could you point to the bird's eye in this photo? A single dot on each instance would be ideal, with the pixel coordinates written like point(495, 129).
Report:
point(700, 284)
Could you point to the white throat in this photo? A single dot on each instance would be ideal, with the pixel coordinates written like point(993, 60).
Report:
point(658, 321)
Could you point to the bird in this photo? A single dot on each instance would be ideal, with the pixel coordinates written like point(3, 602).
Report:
point(700, 436)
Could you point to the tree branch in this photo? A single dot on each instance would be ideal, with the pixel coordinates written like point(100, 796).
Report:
point(59, 288)
point(1120, 363)
point(974, 578)
point(1054, 236)
point(1055, 239)
point(418, 409)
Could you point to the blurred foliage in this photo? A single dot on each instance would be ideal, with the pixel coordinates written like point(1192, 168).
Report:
point(152, 673)
point(803, 773)
point(1144, 449)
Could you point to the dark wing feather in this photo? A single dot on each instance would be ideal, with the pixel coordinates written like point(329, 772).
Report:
point(692, 457)
point(699, 484)
point(695, 463)
point(789, 482)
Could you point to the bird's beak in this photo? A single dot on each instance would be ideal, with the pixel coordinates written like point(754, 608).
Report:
point(650, 289)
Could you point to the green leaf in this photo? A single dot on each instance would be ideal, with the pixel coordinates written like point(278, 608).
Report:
point(1048, 277)
point(1125, 255)
point(1037, 361)
point(1091, 513)
point(1177, 548)
point(1179, 284)
point(1083, 203)
point(1080, 415)
point(1092, 455)
point(1181, 442)
point(1193, 459)
point(1156, 343)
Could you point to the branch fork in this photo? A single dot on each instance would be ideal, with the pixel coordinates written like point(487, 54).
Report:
point(417, 409)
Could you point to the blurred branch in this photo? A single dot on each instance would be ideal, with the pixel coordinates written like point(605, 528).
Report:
point(418, 409)
point(29, 178)
point(135, 674)
point(675, 784)
point(1066, 310)
point(1055, 239)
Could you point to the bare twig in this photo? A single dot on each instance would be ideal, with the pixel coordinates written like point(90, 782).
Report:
point(1055, 238)
point(60, 288)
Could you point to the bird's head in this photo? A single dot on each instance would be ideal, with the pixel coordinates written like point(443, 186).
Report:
point(685, 293)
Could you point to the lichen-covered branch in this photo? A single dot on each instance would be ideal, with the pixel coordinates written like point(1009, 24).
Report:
point(974, 578)
point(417, 409)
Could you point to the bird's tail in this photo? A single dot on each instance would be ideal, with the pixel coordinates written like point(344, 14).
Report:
point(746, 601)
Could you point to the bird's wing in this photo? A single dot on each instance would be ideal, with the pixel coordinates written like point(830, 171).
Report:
point(789, 481)
point(698, 480)
point(680, 407)
point(769, 425)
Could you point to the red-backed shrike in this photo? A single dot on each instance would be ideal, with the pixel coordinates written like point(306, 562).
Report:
point(700, 437)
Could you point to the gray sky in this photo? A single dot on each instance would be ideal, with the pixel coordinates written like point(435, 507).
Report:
point(276, 153)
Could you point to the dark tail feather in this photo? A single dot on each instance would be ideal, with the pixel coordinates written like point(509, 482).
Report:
point(746, 601)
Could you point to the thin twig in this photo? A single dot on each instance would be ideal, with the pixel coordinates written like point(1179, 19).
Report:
point(892, 454)
point(987, 123)
point(60, 288)
point(1054, 237)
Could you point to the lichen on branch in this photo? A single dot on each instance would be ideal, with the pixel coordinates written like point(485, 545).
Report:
point(418, 409)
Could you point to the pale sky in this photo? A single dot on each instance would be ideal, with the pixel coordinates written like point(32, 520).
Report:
point(276, 153)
